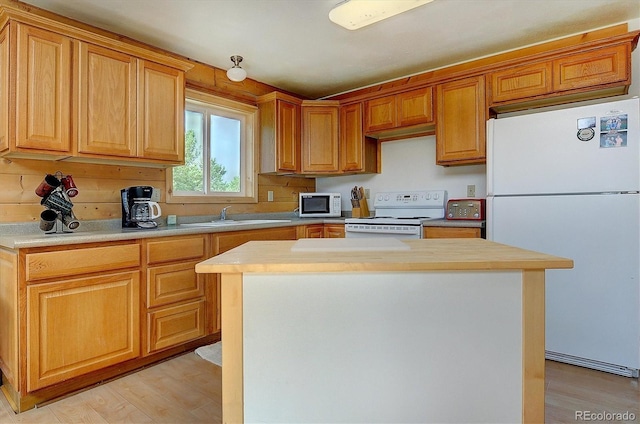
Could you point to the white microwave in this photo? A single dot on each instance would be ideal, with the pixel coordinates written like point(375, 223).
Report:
point(318, 205)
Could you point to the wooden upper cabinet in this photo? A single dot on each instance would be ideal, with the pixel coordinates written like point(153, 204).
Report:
point(460, 130)
point(592, 68)
point(160, 112)
point(320, 137)
point(280, 122)
point(106, 101)
point(414, 107)
point(357, 152)
point(76, 95)
point(521, 82)
point(577, 74)
point(43, 90)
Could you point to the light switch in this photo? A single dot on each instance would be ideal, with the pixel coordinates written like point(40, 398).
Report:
point(269, 196)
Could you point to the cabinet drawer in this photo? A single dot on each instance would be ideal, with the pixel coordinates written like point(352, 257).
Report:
point(175, 249)
point(173, 283)
point(176, 324)
point(451, 232)
point(70, 262)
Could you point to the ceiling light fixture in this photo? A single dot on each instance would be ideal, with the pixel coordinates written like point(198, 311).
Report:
point(354, 14)
point(236, 73)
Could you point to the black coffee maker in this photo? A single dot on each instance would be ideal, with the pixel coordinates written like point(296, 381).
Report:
point(138, 211)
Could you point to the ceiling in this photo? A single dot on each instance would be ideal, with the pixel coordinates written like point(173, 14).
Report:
point(292, 44)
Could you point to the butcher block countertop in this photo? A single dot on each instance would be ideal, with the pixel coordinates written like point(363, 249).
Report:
point(347, 255)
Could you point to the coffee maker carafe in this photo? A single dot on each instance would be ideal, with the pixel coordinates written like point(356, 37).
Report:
point(138, 211)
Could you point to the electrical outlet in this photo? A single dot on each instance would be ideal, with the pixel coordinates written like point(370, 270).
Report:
point(366, 193)
point(471, 190)
point(269, 196)
point(155, 195)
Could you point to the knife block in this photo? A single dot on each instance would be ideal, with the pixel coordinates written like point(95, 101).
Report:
point(362, 211)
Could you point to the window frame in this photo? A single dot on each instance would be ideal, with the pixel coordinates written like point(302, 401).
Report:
point(248, 148)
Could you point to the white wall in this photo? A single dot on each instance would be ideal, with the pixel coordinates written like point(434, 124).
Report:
point(410, 164)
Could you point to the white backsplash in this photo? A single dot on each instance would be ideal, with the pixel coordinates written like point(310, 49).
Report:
point(410, 165)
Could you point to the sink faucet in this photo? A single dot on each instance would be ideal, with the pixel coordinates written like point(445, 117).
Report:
point(223, 213)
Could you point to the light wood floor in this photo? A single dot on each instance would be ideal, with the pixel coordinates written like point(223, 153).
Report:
point(187, 389)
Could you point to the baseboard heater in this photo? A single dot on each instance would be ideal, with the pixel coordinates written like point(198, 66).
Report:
point(593, 364)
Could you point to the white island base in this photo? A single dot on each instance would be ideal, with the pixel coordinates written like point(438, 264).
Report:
point(446, 331)
point(383, 347)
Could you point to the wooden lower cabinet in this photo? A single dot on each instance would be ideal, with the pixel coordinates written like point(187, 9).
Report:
point(80, 325)
point(179, 302)
point(451, 232)
point(72, 316)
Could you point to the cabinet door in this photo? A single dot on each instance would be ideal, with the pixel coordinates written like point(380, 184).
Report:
point(521, 82)
point(314, 231)
point(451, 232)
point(81, 325)
point(351, 138)
point(333, 231)
point(320, 139)
point(43, 90)
point(415, 107)
point(160, 112)
point(593, 68)
point(460, 129)
point(107, 102)
point(4, 90)
point(287, 136)
point(380, 114)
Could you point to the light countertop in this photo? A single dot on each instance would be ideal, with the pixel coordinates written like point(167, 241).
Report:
point(26, 235)
point(422, 255)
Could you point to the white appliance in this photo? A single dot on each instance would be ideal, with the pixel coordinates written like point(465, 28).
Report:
point(318, 205)
point(399, 214)
point(566, 183)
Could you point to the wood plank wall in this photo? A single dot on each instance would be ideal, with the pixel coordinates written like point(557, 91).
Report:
point(99, 190)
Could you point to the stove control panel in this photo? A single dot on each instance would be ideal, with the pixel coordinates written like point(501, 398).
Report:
point(470, 209)
point(411, 199)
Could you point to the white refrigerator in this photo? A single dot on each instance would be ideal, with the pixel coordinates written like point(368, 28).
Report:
point(566, 182)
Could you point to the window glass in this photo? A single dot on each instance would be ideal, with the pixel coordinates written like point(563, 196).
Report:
point(224, 142)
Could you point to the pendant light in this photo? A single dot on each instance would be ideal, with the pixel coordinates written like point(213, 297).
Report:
point(236, 73)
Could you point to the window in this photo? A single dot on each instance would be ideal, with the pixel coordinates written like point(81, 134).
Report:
point(220, 152)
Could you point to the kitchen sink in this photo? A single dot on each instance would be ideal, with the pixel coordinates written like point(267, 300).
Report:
point(231, 222)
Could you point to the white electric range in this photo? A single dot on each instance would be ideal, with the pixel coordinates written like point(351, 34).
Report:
point(399, 214)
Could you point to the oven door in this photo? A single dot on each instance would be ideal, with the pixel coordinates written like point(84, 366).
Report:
point(399, 231)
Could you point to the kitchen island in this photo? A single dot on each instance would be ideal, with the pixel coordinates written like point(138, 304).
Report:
point(338, 330)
